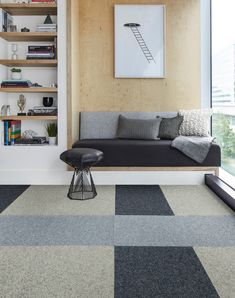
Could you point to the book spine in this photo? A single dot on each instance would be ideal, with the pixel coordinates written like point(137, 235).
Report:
point(40, 48)
point(9, 133)
point(6, 133)
point(15, 131)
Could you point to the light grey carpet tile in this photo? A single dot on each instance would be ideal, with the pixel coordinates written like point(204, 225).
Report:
point(56, 272)
point(219, 264)
point(52, 200)
point(174, 231)
point(194, 200)
point(56, 230)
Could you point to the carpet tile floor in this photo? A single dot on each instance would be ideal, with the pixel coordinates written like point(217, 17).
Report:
point(130, 241)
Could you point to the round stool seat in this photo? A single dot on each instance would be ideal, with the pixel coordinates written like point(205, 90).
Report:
point(81, 158)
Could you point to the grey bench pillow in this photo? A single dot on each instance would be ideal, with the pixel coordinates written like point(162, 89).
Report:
point(169, 128)
point(139, 129)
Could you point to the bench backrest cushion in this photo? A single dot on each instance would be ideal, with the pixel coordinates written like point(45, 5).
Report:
point(103, 125)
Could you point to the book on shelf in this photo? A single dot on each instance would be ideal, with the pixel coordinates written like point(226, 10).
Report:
point(43, 111)
point(32, 141)
point(41, 52)
point(16, 83)
point(46, 28)
point(43, 1)
point(12, 131)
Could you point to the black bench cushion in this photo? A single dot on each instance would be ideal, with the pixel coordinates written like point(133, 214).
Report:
point(145, 153)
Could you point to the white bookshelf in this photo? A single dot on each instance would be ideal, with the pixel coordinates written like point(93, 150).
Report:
point(39, 164)
point(41, 72)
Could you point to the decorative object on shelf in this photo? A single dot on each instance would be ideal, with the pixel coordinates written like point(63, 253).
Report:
point(53, 85)
point(6, 20)
point(48, 20)
point(25, 29)
point(13, 28)
point(5, 110)
point(21, 102)
point(36, 85)
point(51, 129)
point(29, 134)
point(47, 102)
point(14, 48)
point(16, 74)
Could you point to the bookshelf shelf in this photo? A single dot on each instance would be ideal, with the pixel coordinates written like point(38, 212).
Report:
point(28, 36)
point(25, 9)
point(29, 63)
point(36, 118)
point(29, 90)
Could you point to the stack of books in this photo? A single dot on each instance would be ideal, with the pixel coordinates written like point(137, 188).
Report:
point(16, 84)
point(43, 111)
point(43, 1)
point(32, 141)
point(12, 132)
point(46, 28)
point(41, 52)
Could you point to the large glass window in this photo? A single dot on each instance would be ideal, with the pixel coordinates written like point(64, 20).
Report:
point(223, 79)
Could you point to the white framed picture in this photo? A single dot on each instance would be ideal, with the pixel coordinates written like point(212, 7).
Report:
point(139, 41)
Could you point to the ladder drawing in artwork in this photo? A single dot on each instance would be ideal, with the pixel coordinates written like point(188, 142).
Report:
point(138, 36)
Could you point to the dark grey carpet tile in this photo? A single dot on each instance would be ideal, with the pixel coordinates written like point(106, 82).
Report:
point(150, 272)
point(141, 200)
point(9, 193)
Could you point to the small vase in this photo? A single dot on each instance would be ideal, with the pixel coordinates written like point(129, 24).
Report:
point(16, 75)
point(52, 141)
point(47, 102)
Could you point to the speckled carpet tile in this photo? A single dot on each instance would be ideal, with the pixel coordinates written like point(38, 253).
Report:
point(129, 242)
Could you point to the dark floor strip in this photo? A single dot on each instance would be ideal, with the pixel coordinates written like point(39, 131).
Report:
point(141, 200)
point(9, 193)
point(150, 272)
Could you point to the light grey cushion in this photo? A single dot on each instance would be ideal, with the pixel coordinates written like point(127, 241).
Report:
point(139, 129)
point(169, 128)
point(196, 122)
point(103, 125)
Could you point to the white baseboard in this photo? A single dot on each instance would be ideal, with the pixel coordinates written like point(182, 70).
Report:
point(105, 177)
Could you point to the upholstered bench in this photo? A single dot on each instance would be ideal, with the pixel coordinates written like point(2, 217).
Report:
point(98, 130)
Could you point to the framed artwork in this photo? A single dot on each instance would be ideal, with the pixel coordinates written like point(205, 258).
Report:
point(139, 41)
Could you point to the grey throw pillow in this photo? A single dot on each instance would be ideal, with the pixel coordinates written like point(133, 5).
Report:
point(169, 128)
point(139, 129)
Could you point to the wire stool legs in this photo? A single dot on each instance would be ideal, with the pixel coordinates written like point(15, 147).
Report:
point(82, 186)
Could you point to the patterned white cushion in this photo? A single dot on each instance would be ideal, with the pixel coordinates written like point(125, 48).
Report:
point(196, 122)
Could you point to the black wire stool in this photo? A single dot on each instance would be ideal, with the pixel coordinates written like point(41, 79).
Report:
point(82, 186)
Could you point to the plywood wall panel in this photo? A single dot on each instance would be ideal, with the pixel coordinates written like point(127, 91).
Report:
point(100, 91)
